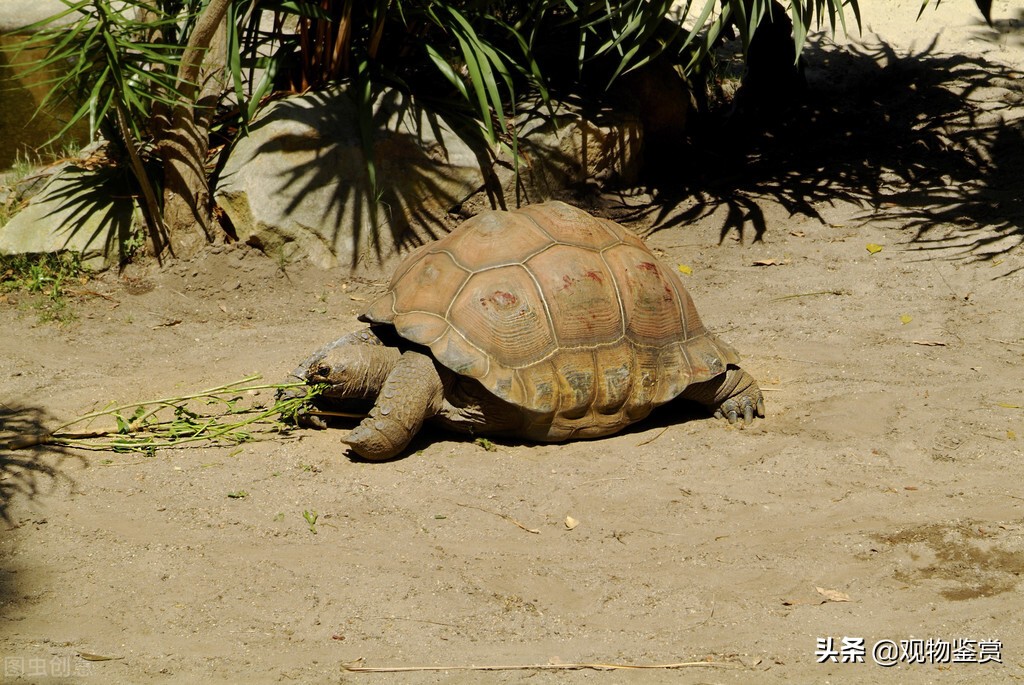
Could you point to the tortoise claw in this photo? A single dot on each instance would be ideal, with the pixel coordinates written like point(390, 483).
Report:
point(744, 405)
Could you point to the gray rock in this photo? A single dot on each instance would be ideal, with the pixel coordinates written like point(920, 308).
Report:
point(573, 146)
point(78, 210)
point(296, 186)
point(17, 14)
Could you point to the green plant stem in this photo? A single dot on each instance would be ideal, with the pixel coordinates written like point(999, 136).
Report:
point(148, 438)
point(173, 401)
point(154, 215)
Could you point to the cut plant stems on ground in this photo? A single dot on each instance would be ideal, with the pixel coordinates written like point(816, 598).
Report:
point(218, 415)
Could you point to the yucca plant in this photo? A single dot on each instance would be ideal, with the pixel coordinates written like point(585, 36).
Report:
point(154, 74)
point(132, 69)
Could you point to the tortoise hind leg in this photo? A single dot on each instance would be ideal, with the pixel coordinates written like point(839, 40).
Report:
point(412, 393)
point(730, 395)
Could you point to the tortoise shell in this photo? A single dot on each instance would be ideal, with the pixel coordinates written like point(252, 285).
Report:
point(566, 316)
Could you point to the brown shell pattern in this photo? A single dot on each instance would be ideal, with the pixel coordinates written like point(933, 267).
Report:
point(563, 314)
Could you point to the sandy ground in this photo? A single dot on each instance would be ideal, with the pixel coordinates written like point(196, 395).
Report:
point(880, 499)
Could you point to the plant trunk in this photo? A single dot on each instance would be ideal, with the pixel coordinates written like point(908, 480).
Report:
point(184, 136)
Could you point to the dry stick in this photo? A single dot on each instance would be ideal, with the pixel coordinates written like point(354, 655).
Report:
point(820, 292)
point(406, 618)
point(650, 440)
point(495, 513)
point(80, 292)
point(341, 414)
point(534, 667)
point(1006, 342)
point(945, 282)
point(799, 361)
point(49, 438)
point(602, 480)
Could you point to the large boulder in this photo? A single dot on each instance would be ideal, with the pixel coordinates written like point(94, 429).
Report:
point(90, 212)
point(568, 143)
point(296, 185)
point(17, 14)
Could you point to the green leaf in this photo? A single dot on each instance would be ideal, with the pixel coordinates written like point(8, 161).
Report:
point(486, 444)
point(476, 80)
point(447, 71)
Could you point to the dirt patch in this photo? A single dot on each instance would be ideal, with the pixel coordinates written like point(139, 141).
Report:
point(887, 472)
point(967, 558)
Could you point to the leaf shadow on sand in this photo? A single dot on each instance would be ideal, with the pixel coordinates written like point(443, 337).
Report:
point(33, 470)
point(922, 140)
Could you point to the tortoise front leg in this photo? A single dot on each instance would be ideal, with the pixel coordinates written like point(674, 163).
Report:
point(412, 393)
point(730, 395)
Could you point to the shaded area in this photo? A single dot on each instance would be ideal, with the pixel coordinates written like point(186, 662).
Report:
point(22, 132)
point(922, 140)
point(25, 475)
point(95, 207)
point(403, 171)
point(29, 472)
point(1003, 30)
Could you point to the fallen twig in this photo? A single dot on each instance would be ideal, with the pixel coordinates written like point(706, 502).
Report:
point(338, 414)
point(820, 292)
point(1006, 342)
point(650, 440)
point(495, 513)
point(353, 667)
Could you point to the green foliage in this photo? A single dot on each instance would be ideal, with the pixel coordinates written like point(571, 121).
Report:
point(125, 56)
point(45, 279)
point(311, 518)
point(116, 61)
point(217, 416)
point(122, 61)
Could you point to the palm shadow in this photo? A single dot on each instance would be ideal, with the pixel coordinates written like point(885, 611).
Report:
point(921, 139)
point(1002, 30)
point(99, 200)
point(32, 470)
point(404, 144)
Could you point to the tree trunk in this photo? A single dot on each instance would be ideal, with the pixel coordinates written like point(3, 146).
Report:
point(184, 135)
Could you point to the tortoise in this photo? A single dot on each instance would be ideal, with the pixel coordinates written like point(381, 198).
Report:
point(543, 323)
